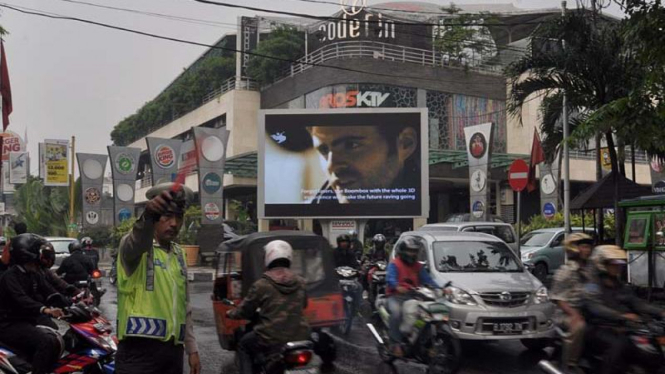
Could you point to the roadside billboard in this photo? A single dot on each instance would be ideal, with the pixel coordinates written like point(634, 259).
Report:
point(56, 162)
point(347, 163)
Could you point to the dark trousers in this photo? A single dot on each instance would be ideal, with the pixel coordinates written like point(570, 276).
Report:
point(146, 356)
point(616, 347)
point(42, 349)
point(248, 346)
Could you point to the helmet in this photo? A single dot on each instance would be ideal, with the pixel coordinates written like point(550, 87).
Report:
point(26, 248)
point(86, 242)
point(574, 240)
point(47, 254)
point(408, 250)
point(74, 246)
point(353, 233)
point(182, 195)
point(607, 253)
point(278, 249)
point(343, 238)
point(379, 238)
point(3, 241)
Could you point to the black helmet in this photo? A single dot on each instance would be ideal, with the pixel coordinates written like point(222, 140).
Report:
point(74, 246)
point(379, 241)
point(26, 248)
point(408, 249)
point(343, 238)
point(86, 242)
point(47, 253)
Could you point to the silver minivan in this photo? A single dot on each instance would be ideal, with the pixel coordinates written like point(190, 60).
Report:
point(492, 296)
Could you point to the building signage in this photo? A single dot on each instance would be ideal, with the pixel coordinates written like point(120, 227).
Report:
point(18, 167)
point(125, 163)
point(657, 176)
point(478, 140)
point(124, 214)
point(478, 209)
point(353, 99)
point(56, 165)
point(659, 187)
point(211, 211)
point(11, 142)
point(92, 196)
point(124, 166)
point(549, 210)
point(92, 217)
point(211, 157)
point(212, 182)
point(92, 168)
point(164, 156)
point(352, 7)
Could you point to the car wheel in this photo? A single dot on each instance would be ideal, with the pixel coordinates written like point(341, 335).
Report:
point(535, 344)
point(540, 271)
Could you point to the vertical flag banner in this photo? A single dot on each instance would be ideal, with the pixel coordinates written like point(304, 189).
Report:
point(164, 156)
point(549, 188)
point(211, 155)
point(56, 157)
point(92, 169)
point(124, 165)
point(18, 167)
point(5, 88)
point(479, 152)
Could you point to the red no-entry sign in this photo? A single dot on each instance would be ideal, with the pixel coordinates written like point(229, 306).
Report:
point(518, 175)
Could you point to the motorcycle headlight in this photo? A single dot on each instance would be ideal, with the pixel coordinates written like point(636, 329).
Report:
point(458, 296)
point(541, 296)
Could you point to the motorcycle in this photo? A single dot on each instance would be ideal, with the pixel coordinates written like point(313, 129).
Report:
point(351, 292)
point(87, 346)
point(377, 282)
point(647, 337)
point(429, 339)
point(292, 358)
point(92, 287)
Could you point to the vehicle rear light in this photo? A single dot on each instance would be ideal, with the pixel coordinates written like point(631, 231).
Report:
point(298, 358)
point(96, 274)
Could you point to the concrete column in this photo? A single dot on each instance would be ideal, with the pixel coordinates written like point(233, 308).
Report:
point(264, 225)
point(419, 222)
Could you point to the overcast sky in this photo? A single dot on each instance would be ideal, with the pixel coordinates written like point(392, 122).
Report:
point(70, 78)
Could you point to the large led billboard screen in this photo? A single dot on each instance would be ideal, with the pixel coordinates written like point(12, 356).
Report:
point(343, 163)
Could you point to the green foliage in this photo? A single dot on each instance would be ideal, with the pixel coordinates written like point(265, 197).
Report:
point(191, 225)
point(121, 230)
point(184, 95)
point(283, 43)
point(45, 210)
point(460, 42)
point(539, 222)
point(102, 237)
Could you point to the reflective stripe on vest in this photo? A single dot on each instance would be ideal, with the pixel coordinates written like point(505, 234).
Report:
point(148, 327)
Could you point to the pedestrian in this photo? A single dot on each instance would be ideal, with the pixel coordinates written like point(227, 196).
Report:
point(154, 317)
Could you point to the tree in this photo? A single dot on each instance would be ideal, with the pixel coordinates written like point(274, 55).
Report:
point(283, 43)
point(45, 210)
point(595, 67)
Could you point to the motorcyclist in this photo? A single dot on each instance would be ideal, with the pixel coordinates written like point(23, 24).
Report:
point(375, 254)
point(90, 251)
point(77, 267)
point(280, 298)
point(404, 273)
point(23, 291)
point(344, 255)
point(568, 294)
point(4, 255)
point(46, 261)
point(610, 304)
point(356, 245)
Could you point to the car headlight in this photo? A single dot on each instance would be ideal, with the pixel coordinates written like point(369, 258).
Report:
point(541, 296)
point(527, 256)
point(458, 296)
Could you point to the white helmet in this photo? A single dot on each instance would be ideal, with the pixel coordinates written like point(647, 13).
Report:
point(277, 249)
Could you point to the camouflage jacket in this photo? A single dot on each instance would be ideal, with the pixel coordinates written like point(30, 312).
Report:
point(282, 298)
point(569, 282)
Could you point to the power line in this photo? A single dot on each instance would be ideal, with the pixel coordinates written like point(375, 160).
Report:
point(184, 41)
point(329, 18)
point(157, 15)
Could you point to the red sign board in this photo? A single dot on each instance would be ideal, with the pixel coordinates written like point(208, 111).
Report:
point(518, 175)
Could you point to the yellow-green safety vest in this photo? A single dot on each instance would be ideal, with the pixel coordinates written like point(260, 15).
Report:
point(152, 302)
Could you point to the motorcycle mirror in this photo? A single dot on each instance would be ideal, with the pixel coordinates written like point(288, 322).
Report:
point(448, 284)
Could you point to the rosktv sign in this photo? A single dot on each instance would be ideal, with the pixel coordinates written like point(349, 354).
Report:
point(353, 99)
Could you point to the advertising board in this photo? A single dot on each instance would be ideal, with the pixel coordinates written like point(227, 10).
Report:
point(347, 163)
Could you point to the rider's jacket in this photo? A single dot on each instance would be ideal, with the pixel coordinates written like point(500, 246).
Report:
point(77, 267)
point(22, 295)
point(152, 300)
point(408, 276)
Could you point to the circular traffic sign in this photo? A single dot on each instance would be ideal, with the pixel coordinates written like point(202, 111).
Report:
point(518, 175)
point(549, 210)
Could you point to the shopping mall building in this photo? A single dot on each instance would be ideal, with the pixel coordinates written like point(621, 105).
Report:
point(384, 56)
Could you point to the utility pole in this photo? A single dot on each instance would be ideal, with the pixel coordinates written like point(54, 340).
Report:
point(566, 150)
point(71, 229)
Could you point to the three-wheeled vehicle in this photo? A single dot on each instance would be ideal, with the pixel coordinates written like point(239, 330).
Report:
point(240, 262)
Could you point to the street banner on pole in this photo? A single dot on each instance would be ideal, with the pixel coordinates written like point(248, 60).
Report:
point(56, 167)
point(18, 167)
point(124, 164)
point(92, 168)
point(211, 156)
point(479, 152)
point(164, 155)
point(549, 188)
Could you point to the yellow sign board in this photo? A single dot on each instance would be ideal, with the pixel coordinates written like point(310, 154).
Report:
point(56, 165)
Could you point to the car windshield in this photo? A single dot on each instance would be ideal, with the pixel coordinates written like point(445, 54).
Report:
point(61, 246)
point(475, 256)
point(438, 228)
point(536, 239)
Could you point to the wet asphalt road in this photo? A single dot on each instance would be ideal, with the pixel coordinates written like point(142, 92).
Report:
point(357, 352)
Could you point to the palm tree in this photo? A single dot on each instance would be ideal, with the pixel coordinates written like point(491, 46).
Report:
point(45, 210)
point(589, 59)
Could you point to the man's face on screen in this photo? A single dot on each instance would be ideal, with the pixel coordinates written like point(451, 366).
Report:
point(359, 157)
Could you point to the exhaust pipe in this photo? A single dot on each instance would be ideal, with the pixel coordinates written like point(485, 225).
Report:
point(375, 333)
point(549, 368)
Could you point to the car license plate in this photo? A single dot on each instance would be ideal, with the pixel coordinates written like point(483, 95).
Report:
point(508, 328)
